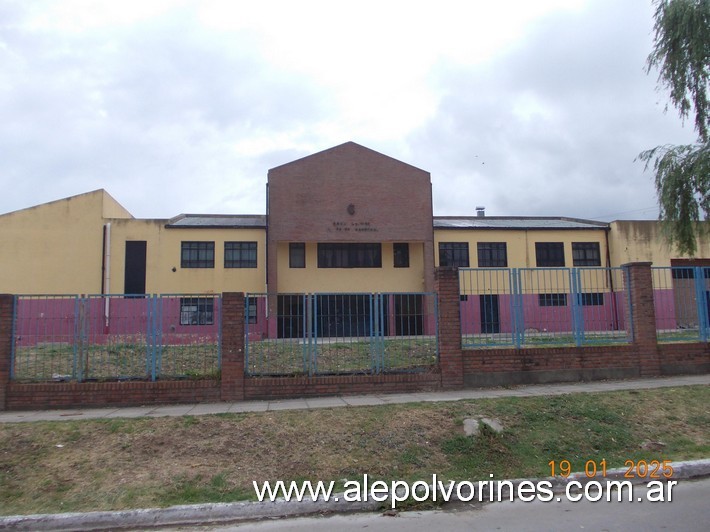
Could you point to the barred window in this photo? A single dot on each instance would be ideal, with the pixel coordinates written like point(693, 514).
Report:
point(240, 254)
point(297, 255)
point(453, 254)
point(350, 255)
point(552, 300)
point(591, 299)
point(492, 255)
point(196, 311)
point(401, 254)
point(250, 310)
point(197, 255)
point(586, 254)
point(549, 254)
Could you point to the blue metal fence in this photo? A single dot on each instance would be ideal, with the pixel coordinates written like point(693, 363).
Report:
point(681, 297)
point(335, 333)
point(543, 306)
point(115, 337)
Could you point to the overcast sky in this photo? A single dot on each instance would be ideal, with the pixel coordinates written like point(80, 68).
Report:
point(525, 107)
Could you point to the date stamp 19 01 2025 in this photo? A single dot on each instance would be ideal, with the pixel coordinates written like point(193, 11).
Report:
point(653, 469)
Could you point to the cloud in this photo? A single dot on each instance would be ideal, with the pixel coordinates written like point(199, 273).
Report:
point(552, 127)
point(529, 108)
point(152, 111)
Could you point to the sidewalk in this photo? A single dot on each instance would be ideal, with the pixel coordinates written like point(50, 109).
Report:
point(350, 400)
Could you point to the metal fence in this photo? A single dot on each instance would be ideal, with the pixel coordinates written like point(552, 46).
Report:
point(543, 306)
point(331, 334)
point(115, 337)
point(681, 297)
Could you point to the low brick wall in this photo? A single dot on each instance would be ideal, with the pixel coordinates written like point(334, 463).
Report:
point(33, 396)
point(496, 367)
point(457, 367)
point(682, 359)
point(284, 387)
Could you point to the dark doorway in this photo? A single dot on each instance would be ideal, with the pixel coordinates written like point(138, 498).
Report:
point(134, 277)
point(490, 315)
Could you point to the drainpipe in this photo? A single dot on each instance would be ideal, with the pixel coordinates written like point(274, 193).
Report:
point(614, 306)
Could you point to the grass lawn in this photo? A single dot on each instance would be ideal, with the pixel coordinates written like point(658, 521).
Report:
point(116, 360)
point(134, 463)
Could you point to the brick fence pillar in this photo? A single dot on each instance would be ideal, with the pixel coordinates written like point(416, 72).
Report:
point(232, 346)
point(446, 285)
point(7, 309)
point(641, 315)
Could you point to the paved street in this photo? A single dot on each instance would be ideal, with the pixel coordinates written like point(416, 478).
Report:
point(688, 512)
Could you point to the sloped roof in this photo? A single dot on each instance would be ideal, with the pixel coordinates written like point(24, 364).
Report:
point(346, 147)
point(515, 222)
point(212, 221)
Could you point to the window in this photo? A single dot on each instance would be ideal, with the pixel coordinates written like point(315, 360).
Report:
point(197, 255)
point(350, 255)
point(250, 309)
point(196, 311)
point(586, 254)
point(549, 254)
point(552, 300)
point(401, 255)
point(240, 254)
point(683, 273)
point(453, 254)
point(492, 255)
point(297, 255)
point(592, 299)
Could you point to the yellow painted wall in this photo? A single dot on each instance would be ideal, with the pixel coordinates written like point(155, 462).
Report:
point(520, 243)
point(521, 254)
point(385, 279)
point(113, 209)
point(163, 254)
point(643, 241)
point(56, 248)
point(53, 248)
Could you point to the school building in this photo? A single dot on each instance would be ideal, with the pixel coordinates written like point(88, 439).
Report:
point(342, 223)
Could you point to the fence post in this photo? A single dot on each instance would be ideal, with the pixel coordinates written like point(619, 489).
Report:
point(7, 311)
point(446, 284)
point(641, 315)
point(701, 301)
point(576, 306)
point(232, 381)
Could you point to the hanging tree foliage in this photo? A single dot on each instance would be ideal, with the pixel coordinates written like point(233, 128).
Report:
point(681, 53)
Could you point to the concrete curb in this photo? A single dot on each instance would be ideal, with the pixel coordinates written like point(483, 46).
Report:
point(253, 511)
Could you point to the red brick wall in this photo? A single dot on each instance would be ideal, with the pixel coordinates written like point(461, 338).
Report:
point(97, 394)
point(684, 358)
point(641, 313)
point(6, 318)
point(446, 284)
point(283, 387)
point(232, 346)
point(553, 358)
point(309, 199)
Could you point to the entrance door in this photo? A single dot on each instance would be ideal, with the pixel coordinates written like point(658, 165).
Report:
point(490, 315)
point(134, 276)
